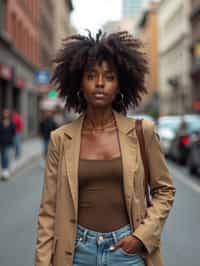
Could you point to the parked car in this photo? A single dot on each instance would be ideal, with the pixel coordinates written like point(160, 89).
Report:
point(193, 161)
point(167, 127)
point(181, 143)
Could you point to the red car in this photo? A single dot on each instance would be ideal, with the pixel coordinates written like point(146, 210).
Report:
point(181, 143)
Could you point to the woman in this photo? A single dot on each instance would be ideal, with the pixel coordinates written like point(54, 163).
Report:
point(7, 135)
point(93, 208)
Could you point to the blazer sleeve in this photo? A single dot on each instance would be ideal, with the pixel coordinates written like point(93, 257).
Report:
point(162, 192)
point(46, 217)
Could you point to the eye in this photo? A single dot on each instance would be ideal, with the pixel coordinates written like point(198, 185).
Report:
point(110, 77)
point(90, 76)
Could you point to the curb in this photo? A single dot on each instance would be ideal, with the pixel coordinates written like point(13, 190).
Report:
point(19, 166)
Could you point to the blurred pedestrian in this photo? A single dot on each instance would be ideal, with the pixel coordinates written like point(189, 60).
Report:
point(46, 126)
point(18, 122)
point(59, 116)
point(7, 135)
point(183, 128)
point(93, 209)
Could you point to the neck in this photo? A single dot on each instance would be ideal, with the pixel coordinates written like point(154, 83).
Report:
point(98, 118)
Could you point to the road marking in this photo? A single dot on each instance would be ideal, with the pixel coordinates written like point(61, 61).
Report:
point(188, 183)
point(181, 176)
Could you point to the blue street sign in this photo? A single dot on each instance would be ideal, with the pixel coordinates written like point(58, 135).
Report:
point(42, 77)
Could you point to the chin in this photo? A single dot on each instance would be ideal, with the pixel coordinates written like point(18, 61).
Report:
point(98, 104)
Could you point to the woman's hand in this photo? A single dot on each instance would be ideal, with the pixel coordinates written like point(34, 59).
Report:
point(130, 244)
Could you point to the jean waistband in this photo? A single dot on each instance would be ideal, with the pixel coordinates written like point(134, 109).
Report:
point(85, 232)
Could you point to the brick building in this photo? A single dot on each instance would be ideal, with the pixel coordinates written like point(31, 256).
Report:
point(46, 32)
point(19, 59)
point(21, 27)
point(30, 32)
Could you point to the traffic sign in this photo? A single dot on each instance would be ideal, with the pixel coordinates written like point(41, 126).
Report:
point(42, 77)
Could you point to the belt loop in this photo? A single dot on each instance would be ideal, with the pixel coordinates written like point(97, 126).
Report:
point(114, 237)
point(85, 234)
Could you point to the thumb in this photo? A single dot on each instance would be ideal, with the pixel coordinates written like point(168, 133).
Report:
point(116, 245)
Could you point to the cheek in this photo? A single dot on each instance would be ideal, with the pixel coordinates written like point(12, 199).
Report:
point(87, 87)
point(113, 89)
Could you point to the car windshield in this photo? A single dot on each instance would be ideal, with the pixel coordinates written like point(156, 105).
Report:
point(193, 125)
point(170, 124)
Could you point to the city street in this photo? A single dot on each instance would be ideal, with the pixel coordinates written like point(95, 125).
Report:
point(106, 60)
point(19, 201)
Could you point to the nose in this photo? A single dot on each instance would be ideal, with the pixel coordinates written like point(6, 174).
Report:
point(100, 81)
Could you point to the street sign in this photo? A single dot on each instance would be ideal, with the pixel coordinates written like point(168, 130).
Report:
point(52, 94)
point(42, 77)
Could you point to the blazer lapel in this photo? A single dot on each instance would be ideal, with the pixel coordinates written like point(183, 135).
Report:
point(71, 155)
point(129, 154)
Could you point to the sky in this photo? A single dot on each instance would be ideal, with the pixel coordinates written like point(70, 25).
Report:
point(92, 14)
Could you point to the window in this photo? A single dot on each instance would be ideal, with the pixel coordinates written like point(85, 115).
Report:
point(14, 28)
point(2, 14)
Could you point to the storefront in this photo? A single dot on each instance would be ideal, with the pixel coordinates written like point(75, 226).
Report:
point(6, 80)
point(17, 88)
point(15, 94)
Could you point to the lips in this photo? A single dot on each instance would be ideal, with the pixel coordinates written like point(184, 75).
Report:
point(99, 95)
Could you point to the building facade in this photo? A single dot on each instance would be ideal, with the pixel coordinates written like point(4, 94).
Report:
point(54, 26)
point(19, 59)
point(175, 61)
point(126, 23)
point(195, 53)
point(147, 31)
point(47, 15)
point(62, 24)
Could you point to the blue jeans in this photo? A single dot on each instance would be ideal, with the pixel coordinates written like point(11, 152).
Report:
point(45, 147)
point(92, 249)
point(5, 157)
point(17, 144)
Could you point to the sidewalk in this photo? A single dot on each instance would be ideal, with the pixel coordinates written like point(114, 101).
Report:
point(31, 149)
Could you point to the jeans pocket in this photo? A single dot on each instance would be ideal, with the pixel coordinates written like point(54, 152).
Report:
point(126, 254)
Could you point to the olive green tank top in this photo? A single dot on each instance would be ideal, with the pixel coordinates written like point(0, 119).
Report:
point(102, 205)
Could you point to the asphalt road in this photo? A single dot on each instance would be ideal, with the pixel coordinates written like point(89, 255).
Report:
point(19, 202)
point(181, 236)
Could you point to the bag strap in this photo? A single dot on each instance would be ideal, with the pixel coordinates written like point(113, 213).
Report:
point(140, 135)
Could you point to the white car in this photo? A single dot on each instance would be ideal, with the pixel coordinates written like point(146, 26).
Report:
point(167, 126)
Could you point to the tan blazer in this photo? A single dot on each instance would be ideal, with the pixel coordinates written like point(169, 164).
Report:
point(59, 205)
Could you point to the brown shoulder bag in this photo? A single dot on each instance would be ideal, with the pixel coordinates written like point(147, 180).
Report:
point(140, 135)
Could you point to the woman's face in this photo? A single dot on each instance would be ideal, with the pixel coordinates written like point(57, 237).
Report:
point(100, 85)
